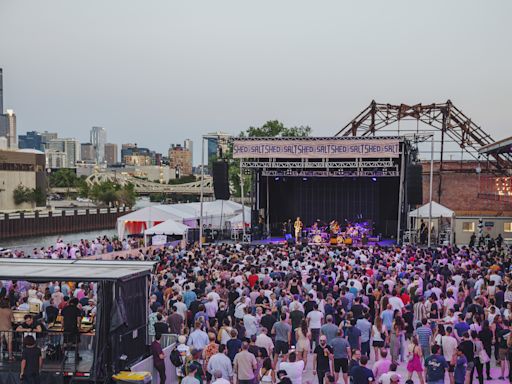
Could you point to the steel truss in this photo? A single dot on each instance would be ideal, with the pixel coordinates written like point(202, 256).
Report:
point(357, 163)
point(450, 125)
point(328, 173)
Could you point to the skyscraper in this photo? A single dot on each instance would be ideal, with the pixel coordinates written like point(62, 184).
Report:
point(111, 153)
point(180, 159)
point(98, 140)
point(31, 140)
point(12, 138)
point(71, 147)
point(7, 120)
point(87, 152)
point(189, 145)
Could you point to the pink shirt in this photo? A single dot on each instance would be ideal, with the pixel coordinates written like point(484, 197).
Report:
point(381, 367)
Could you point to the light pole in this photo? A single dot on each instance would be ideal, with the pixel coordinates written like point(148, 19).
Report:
point(430, 190)
point(202, 194)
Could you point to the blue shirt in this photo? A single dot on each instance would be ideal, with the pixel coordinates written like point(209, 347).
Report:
point(461, 328)
point(189, 297)
point(424, 335)
point(436, 366)
point(460, 369)
point(387, 318)
point(360, 374)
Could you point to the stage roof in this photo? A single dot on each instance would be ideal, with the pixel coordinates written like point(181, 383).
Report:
point(502, 146)
point(43, 270)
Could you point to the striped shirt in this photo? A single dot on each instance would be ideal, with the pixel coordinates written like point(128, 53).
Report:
point(424, 335)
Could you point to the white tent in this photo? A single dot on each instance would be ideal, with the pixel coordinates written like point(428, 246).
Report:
point(438, 210)
point(162, 230)
point(443, 221)
point(236, 221)
point(136, 222)
point(169, 227)
point(215, 214)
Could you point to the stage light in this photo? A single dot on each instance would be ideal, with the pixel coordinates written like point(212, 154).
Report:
point(276, 179)
point(374, 179)
point(304, 179)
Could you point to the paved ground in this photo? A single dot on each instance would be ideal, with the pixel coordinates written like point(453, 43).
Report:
point(495, 373)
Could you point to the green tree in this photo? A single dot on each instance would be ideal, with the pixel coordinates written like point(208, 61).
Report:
point(22, 194)
point(64, 178)
point(38, 196)
point(183, 180)
point(272, 128)
point(126, 195)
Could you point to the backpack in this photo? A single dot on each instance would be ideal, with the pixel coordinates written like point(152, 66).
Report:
point(175, 358)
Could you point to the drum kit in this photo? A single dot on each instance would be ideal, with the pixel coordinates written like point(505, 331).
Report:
point(332, 234)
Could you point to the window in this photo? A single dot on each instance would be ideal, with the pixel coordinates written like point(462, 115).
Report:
point(468, 226)
point(507, 227)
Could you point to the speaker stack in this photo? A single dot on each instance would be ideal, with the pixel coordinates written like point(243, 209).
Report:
point(221, 180)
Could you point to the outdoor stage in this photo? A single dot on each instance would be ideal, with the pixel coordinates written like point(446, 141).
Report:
point(282, 241)
point(351, 180)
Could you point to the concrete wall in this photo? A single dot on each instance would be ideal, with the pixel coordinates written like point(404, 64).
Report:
point(9, 181)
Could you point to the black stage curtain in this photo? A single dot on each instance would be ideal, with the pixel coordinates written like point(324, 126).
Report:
point(343, 198)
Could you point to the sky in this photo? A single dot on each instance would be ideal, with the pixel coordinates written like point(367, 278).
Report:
point(158, 72)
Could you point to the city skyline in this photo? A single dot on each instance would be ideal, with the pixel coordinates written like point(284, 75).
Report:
point(225, 66)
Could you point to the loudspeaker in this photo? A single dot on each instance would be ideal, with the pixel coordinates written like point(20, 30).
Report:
point(220, 180)
point(414, 184)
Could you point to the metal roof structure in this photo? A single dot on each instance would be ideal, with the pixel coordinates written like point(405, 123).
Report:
point(501, 146)
point(43, 270)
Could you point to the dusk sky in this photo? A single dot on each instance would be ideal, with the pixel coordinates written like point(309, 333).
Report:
point(158, 72)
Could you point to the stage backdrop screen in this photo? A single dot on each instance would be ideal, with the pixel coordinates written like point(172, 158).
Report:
point(319, 148)
point(326, 199)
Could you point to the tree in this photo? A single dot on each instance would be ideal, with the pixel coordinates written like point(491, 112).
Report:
point(22, 194)
point(63, 178)
point(38, 196)
point(112, 194)
point(272, 128)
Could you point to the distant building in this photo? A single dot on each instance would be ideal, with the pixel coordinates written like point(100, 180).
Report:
point(31, 140)
point(189, 145)
point(180, 159)
point(87, 152)
point(111, 154)
point(46, 137)
point(137, 156)
point(7, 120)
point(23, 167)
point(98, 140)
point(71, 147)
point(56, 159)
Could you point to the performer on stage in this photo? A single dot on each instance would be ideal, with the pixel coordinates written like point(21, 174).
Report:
point(298, 228)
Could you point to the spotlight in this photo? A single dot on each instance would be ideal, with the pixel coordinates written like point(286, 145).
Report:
point(374, 179)
point(304, 179)
point(276, 179)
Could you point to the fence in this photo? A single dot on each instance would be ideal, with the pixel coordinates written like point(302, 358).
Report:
point(23, 224)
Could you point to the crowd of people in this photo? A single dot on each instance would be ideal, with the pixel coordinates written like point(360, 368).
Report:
point(281, 313)
point(76, 250)
point(287, 314)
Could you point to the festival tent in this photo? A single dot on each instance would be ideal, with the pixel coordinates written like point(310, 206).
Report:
point(443, 218)
point(215, 214)
point(136, 222)
point(167, 228)
point(236, 221)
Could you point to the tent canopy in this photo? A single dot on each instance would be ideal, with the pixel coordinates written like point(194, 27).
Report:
point(169, 227)
point(215, 213)
point(238, 219)
point(438, 210)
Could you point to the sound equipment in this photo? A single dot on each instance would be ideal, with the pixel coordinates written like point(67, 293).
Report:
point(414, 184)
point(221, 180)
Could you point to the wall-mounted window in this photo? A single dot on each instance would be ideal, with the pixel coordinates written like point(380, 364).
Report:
point(468, 226)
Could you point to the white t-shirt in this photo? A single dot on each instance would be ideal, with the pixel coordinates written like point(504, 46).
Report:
point(293, 370)
point(449, 344)
point(396, 303)
point(315, 319)
point(251, 325)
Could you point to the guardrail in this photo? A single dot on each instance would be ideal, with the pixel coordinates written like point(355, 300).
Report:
point(25, 224)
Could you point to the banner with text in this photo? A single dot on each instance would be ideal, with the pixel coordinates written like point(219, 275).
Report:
point(314, 149)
